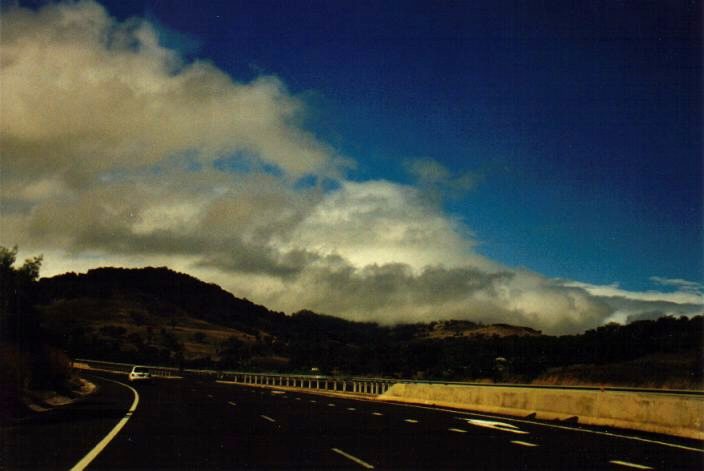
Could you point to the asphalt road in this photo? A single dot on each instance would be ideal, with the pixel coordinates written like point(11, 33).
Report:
point(189, 424)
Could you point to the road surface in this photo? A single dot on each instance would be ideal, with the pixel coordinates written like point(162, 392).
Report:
point(191, 424)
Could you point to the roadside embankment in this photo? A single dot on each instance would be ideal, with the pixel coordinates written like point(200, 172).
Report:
point(41, 401)
point(673, 414)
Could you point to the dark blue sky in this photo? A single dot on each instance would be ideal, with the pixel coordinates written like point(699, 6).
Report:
point(581, 121)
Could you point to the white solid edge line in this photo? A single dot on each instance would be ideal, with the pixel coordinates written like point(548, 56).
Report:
point(353, 458)
point(92, 454)
point(595, 432)
point(630, 465)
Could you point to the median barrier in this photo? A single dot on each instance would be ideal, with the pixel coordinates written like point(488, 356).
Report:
point(672, 414)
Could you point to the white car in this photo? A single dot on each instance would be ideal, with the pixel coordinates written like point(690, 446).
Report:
point(140, 373)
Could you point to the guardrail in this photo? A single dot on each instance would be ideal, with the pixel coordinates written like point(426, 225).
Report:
point(361, 385)
point(370, 386)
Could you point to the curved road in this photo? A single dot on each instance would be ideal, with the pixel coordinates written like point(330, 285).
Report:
point(190, 424)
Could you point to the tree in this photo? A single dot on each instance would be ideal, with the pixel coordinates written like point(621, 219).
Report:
point(27, 361)
point(18, 320)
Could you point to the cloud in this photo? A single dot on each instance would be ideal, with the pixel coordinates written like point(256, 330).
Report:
point(117, 151)
point(688, 295)
point(83, 94)
point(434, 177)
point(398, 293)
point(628, 306)
point(379, 222)
point(680, 284)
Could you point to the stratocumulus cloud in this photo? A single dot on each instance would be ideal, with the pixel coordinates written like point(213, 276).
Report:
point(117, 151)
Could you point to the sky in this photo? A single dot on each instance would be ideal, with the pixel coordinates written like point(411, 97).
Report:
point(535, 163)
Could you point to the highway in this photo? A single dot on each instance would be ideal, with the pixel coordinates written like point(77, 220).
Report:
point(192, 424)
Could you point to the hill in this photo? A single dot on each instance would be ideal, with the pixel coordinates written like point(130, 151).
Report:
point(156, 315)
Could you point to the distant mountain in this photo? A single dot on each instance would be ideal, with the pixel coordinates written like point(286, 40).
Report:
point(156, 315)
point(450, 329)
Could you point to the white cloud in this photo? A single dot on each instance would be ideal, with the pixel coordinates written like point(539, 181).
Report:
point(83, 94)
point(680, 284)
point(627, 306)
point(683, 296)
point(379, 222)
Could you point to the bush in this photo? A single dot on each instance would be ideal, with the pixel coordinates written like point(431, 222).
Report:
point(51, 369)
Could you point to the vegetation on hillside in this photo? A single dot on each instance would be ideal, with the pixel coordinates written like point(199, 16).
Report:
point(155, 315)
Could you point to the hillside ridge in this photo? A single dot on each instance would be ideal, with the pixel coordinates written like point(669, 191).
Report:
point(156, 315)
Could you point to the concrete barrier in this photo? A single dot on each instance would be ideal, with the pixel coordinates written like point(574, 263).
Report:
point(678, 415)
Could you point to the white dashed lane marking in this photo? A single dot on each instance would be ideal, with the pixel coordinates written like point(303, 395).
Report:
point(232, 403)
point(377, 413)
point(458, 430)
point(518, 442)
point(360, 462)
point(351, 408)
point(266, 417)
point(411, 421)
point(630, 465)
